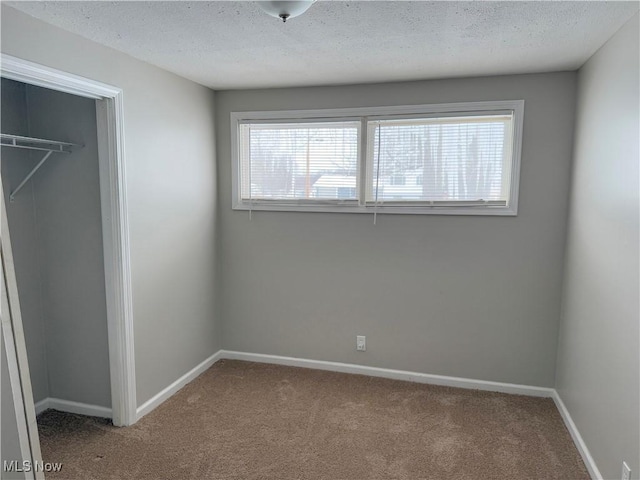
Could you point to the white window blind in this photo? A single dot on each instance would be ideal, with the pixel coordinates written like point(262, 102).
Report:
point(299, 161)
point(451, 160)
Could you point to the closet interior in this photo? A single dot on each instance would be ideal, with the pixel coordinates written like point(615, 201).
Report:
point(50, 177)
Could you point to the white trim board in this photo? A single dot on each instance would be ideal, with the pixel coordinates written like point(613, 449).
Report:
point(416, 377)
point(25, 71)
point(169, 391)
point(42, 405)
point(72, 407)
point(577, 438)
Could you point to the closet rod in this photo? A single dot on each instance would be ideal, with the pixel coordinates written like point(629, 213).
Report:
point(30, 143)
point(18, 141)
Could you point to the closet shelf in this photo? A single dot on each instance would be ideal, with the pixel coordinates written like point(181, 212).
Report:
point(30, 143)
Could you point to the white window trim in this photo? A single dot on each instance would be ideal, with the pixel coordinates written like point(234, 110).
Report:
point(376, 113)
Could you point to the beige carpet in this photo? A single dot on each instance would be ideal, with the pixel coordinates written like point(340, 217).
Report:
point(255, 421)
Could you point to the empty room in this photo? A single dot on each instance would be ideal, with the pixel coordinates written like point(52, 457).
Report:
point(320, 240)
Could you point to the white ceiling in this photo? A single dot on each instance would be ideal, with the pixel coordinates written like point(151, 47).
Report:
point(231, 45)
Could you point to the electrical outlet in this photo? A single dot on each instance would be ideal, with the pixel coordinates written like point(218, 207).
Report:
point(626, 471)
point(361, 343)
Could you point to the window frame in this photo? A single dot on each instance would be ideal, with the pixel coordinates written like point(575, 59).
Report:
point(365, 115)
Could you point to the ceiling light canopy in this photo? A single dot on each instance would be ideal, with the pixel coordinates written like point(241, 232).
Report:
point(285, 10)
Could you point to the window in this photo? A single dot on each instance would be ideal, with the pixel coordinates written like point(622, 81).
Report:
point(434, 159)
point(300, 162)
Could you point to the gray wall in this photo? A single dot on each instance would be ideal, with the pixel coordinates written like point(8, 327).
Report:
point(475, 297)
point(69, 223)
point(598, 372)
point(171, 188)
point(21, 215)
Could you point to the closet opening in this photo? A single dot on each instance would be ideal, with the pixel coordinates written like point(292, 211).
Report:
point(65, 251)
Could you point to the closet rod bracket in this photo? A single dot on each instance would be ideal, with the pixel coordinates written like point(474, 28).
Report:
point(30, 143)
point(29, 175)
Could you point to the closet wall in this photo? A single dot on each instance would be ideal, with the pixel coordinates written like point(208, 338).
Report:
point(56, 232)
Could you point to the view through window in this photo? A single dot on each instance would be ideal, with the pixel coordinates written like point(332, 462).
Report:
point(458, 159)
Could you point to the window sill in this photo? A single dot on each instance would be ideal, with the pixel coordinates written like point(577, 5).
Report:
point(481, 210)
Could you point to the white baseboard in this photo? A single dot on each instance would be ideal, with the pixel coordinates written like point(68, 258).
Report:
point(160, 397)
point(577, 438)
point(42, 405)
point(392, 374)
point(72, 407)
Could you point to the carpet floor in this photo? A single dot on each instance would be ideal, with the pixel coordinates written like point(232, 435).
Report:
point(243, 420)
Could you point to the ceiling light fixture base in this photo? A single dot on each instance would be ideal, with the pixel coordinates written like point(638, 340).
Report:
point(285, 9)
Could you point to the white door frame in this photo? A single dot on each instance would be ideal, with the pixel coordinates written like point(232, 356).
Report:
point(115, 226)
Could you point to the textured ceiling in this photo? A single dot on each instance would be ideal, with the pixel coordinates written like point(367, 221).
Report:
point(231, 45)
